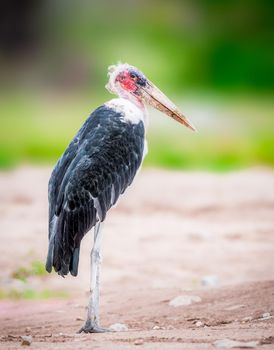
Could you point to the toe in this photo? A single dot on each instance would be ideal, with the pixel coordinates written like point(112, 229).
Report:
point(90, 327)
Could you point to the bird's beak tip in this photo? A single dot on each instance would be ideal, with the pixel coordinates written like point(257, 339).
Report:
point(192, 127)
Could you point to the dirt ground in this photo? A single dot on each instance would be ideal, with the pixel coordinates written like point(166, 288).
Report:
point(206, 237)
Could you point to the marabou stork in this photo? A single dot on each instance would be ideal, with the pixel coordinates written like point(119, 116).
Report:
point(96, 168)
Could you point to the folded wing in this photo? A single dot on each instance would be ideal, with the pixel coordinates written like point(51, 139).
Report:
point(96, 168)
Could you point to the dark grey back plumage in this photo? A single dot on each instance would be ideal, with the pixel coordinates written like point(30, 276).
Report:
point(98, 166)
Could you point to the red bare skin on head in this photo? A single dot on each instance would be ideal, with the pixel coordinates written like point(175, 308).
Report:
point(126, 82)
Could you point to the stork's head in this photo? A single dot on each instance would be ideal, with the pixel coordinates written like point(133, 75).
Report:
point(128, 82)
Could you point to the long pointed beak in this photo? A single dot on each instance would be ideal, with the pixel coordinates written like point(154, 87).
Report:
point(154, 96)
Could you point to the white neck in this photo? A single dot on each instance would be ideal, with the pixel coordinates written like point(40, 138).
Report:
point(129, 111)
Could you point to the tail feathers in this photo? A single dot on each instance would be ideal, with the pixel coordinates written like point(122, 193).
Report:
point(49, 261)
point(53, 226)
point(74, 262)
point(61, 256)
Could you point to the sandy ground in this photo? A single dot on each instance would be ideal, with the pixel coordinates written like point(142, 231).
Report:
point(208, 236)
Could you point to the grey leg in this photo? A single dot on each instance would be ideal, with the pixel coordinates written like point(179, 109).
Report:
point(92, 322)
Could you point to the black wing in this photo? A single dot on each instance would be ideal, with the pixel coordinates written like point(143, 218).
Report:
point(98, 165)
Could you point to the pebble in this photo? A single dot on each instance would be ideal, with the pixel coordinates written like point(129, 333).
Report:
point(170, 327)
point(266, 316)
point(28, 330)
point(139, 341)
point(210, 281)
point(184, 300)
point(247, 319)
point(26, 340)
point(234, 307)
point(199, 324)
point(77, 306)
point(79, 319)
point(230, 343)
point(156, 327)
point(118, 327)
point(200, 235)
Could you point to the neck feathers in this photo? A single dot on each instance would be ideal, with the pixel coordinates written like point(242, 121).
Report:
point(129, 111)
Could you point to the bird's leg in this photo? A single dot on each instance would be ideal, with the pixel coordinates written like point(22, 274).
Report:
point(92, 322)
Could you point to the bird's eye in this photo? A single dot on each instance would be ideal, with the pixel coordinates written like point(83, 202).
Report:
point(133, 75)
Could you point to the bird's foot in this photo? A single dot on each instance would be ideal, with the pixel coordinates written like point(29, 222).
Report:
point(92, 327)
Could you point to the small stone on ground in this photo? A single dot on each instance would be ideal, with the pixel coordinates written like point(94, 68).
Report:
point(139, 342)
point(210, 281)
point(184, 300)
point(26, 340)
point(230, 343)
point(118, 327)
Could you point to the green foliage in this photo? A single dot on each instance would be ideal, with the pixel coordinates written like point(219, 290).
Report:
point(24, 273)
point(21, 274)
point(237, 135)
point(31, 294)
point(37, 268)
point(211, 153)
point(221, 47)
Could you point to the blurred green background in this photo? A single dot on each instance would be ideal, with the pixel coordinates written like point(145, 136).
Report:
point(215, 59)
